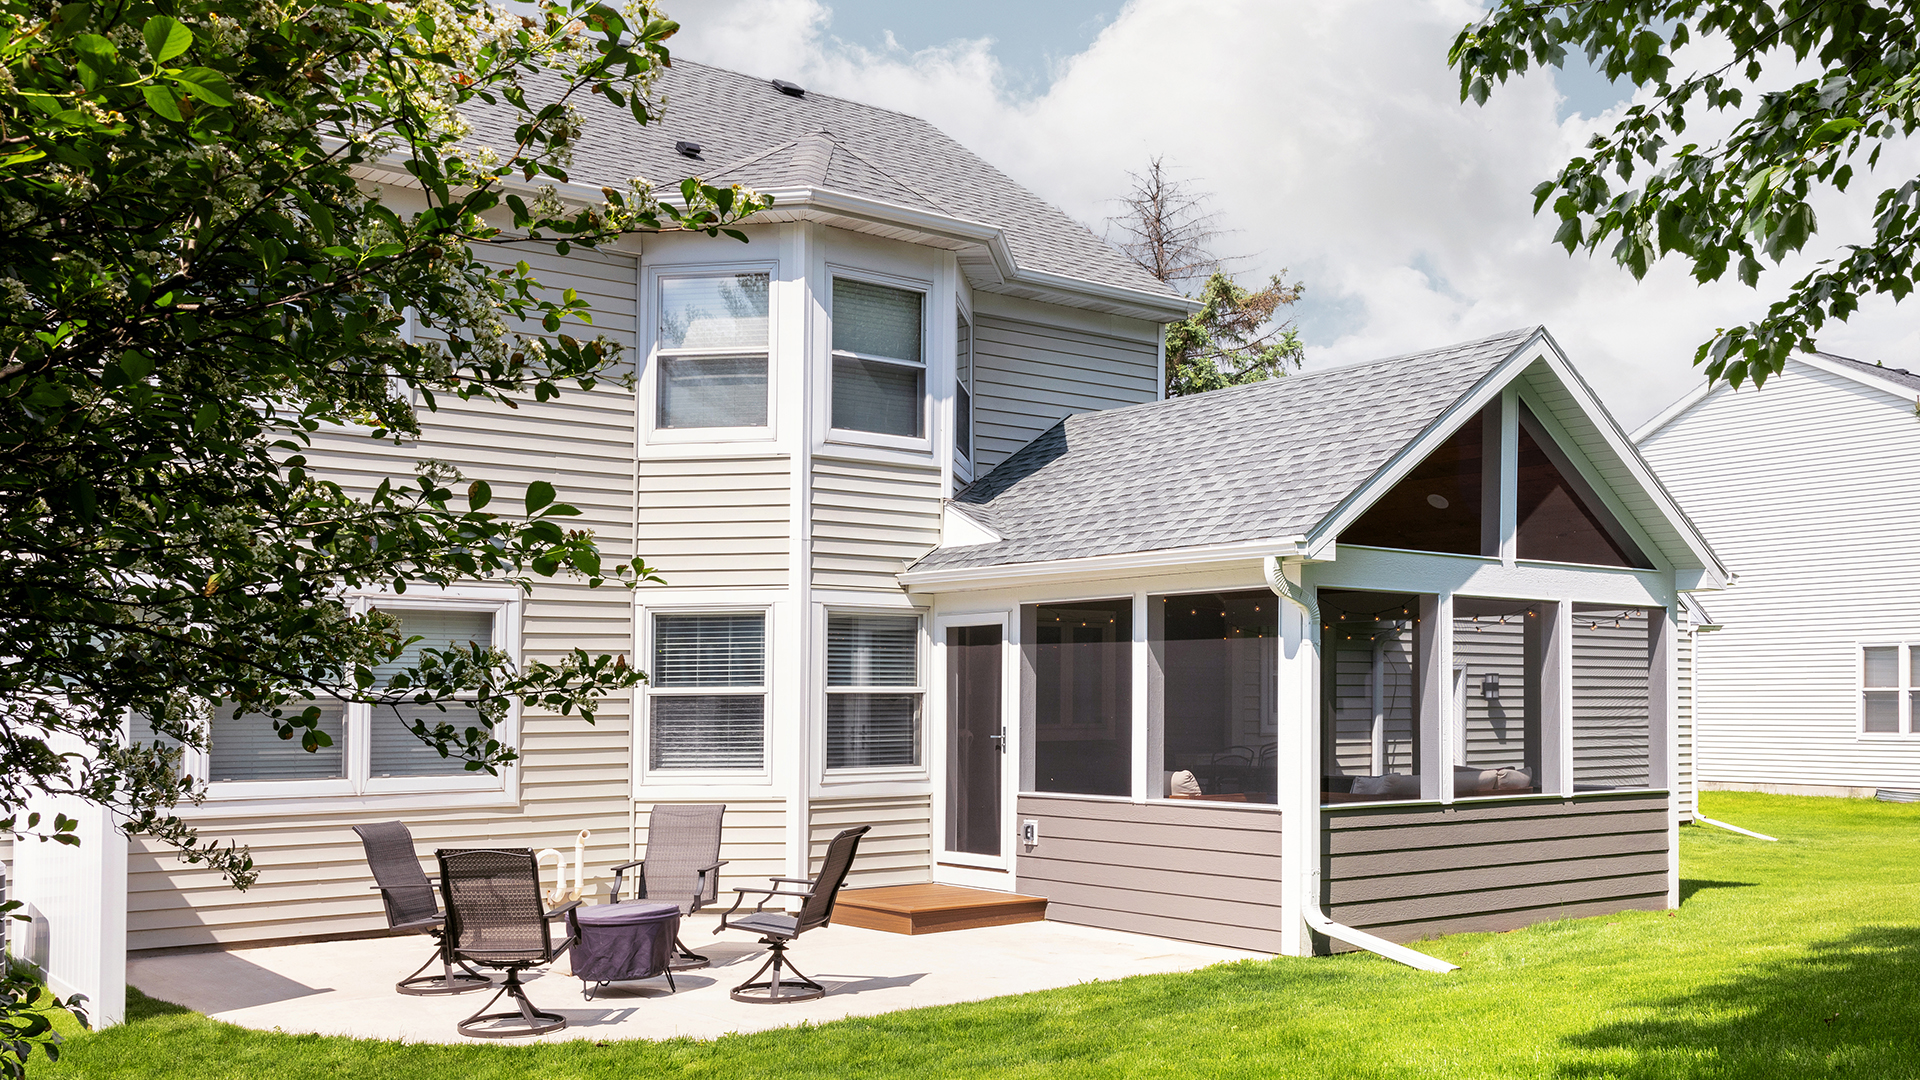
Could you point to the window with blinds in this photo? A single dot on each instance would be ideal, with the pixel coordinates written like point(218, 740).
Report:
point(713, 342)
point(873, 691)
point(879, 374)
point(393, 749)
point(708, 696)
point(246, 747)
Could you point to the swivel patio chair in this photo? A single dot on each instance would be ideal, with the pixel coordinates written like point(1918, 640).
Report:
point(407, 896)
point(496, 918)
point(777, 929)
point(682, 866)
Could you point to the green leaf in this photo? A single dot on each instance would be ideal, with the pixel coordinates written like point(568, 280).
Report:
point(204, 83)
point(479, 494)
point(539, 494)
point(166, 38)
point(161, 100)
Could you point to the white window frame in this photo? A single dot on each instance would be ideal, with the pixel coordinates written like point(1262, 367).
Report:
point(921, 645)
point(1903, 691)
point(649, 384)
point(964, 468)
point(643, 714)
point(357, 725)
point(923, 443)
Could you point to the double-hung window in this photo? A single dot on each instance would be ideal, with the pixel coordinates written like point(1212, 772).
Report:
point(879, 365)
point(712, 356)
point(373, 748)
point(873, 691)
point(1889, 689)
point(963, 397)
point(707, 702)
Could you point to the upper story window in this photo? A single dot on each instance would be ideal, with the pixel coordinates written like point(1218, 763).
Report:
point(713, 351)
point(963, 396)
point(879, 364)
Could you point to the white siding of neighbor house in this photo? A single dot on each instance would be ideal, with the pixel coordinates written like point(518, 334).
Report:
point(313, 874)
point(1807, 489)
point(1034, 367)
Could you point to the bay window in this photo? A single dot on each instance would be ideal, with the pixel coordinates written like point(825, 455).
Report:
point(873, 690)
point(963, 397)
point(707, 698)
point(711, 360)
point(879, 369)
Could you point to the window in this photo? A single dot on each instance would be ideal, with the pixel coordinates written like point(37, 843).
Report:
point(879, 375)
point(873, 690)
point(712, 358)
point(1217, 656)
point(963, 395)
point(1370, 699)
point(1612, 655)
point(1499, 658)
point(1439, 505)
point(707, 701)
point(373, 747)
point(1889, 706)
point(1559, 520)
point(1082, 728)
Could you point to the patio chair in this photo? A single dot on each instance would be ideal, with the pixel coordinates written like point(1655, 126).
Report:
point(682, 866)
point(407, 895)
point(777, 929)
point(496, 918)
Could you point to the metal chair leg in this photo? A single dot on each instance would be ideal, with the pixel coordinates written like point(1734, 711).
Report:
point(447, 982)
point(773, 990)
point(685, 959)
point(524, 1021)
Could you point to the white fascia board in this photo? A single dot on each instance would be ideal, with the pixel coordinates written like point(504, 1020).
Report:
point(974, 577)
point(1714, 573)
point(1409, 457)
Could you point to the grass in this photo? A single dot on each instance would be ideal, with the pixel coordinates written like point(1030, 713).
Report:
point(1795, 959)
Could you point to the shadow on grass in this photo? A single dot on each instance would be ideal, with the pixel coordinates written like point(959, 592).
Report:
point(1689, 886)
point(1844, 1007)
point(142, 1007)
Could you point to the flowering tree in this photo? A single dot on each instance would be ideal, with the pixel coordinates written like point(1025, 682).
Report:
point(193, 279)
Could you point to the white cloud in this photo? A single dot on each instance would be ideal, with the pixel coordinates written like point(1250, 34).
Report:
point(1333, 140)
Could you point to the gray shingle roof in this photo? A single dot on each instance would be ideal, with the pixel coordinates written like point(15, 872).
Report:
point(1900, 376)
point(751, 133)
point(1262, 462)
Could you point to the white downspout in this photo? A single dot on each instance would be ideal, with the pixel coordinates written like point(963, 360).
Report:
point(1310, 900)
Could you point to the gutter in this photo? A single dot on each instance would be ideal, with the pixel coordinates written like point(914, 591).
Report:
point(1310, 898)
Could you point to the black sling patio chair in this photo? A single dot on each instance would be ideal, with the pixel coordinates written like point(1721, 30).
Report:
point(407, 895)
point(682, 866)
point(777, 929)
point(496, 918)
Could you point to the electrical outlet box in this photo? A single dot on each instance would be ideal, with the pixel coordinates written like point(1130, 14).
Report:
point(1030, 832)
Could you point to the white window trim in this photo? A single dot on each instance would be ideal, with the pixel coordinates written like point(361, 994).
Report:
point(875, 773)
point(923, 443)
point(358, 786)
point(648, 389)
point(964, 468)
point(1903, 691)
point(643, 711)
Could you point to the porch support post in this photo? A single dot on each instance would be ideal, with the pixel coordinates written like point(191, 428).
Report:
point(1433, 641)
point(1146, 771)
point(1663, 734)
point(1509, 450)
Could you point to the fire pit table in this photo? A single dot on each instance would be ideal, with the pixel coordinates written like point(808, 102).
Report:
point(623, 942)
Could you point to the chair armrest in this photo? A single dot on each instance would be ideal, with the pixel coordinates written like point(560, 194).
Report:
point(564, 909)
point(620, 877)
point(794, 880)
point(626, 866)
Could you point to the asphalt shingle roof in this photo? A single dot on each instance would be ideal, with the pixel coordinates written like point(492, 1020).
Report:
point(1900, 376)
point(1258, 462)
point(751, 133)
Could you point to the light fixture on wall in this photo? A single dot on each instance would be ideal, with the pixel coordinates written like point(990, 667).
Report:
point(1490, 686)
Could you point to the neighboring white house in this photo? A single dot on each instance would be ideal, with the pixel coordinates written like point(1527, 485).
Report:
point(1810, 488)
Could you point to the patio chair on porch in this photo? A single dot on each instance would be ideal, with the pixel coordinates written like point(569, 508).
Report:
point(407, 895)
point(777, 929)
point(496, 918)
point(682, 866)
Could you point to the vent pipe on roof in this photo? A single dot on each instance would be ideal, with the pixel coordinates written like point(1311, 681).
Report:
point(789, 89)
point(1310, 900)
point(687, 149)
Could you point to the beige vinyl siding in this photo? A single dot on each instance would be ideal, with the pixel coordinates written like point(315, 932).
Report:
point(870, 520)
point(752, 841)
point(898, 850)
point(1029, 375)
point(1408, 873)
point(1808, 489)
point(1194, 872)
point(313, 875)
point(721, 522)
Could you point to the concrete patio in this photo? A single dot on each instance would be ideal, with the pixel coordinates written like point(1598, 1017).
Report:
point(346, 987)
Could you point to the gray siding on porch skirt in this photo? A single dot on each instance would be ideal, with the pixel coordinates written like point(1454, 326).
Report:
point(1411, 872)
point(1195, 872)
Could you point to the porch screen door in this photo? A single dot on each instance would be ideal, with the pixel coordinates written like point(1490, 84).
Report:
point(976, 739)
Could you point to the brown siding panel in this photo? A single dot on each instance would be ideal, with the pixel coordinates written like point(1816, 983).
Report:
point(1197, 873)
point(1407, 873)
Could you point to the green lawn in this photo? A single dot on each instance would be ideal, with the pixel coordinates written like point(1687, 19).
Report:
point(1795, 959)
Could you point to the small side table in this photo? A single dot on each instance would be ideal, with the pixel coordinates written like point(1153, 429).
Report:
point(623, 942)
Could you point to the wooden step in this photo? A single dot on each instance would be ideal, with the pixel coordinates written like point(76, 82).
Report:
point(929, 909)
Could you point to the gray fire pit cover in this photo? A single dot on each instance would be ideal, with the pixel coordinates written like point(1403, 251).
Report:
point(623, 941)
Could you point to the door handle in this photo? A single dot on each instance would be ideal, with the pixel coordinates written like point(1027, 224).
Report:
point(1000, 740)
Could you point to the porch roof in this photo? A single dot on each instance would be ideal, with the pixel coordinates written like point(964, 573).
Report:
point(1267, 461)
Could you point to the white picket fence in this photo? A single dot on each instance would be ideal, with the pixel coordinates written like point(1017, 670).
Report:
point(76, 898)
